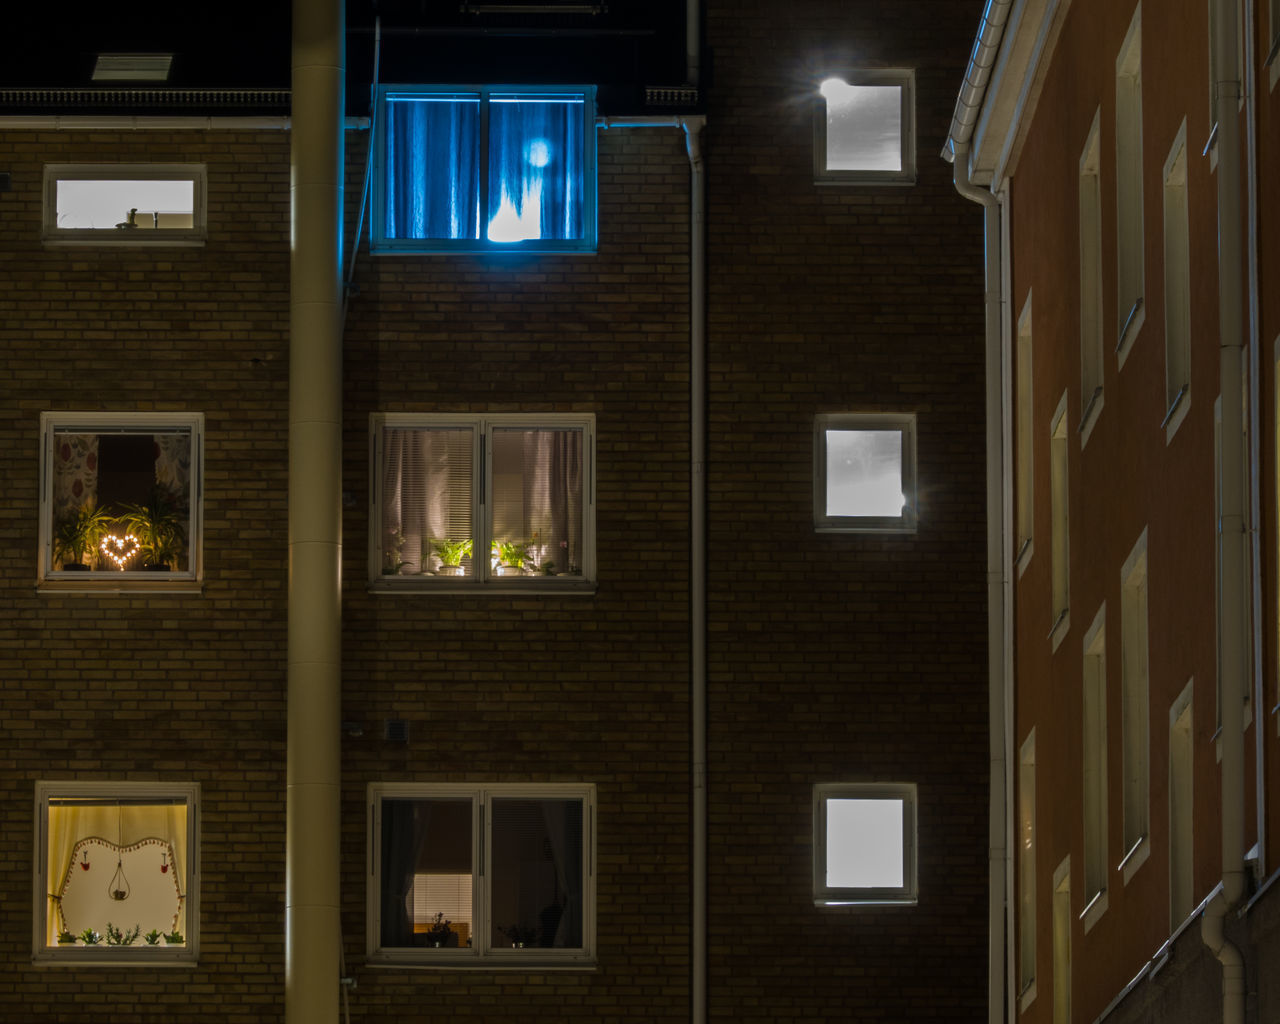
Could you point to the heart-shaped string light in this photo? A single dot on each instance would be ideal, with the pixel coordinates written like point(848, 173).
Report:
point(120, 549)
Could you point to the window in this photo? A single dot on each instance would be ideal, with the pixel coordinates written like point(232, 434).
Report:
point(1060, 542)
point(1129, 257)
point(1090, 201)
point(1027, 870)
point(1094, 763)
point(1177, 287)
point(120, 498)
point(864, 843)
point(1272, 61)
point(498, 501)
point(1062, 943)
point(1024, 441)
point(116, 871)
point(864, 129)
point(482, 874)
point(1181, 823)
point(124, 204)
point(1134, 709)
point(865, 472)
point(480, 168)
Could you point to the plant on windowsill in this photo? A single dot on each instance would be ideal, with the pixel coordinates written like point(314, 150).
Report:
point(440, 935)
point(173, 938)
point(89, 937)
point(160, 527)
point(152, 938)
point(451, 553)
point(66, 939)
point(117, 937)
point(520, 936)
point(77, 534)
point(512, 555)
point(393, 562)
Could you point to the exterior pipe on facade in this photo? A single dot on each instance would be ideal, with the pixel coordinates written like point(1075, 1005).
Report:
point(999, 863)
point(312, 936)
point(1231, 522)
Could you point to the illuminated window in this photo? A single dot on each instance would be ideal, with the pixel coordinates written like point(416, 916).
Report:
point(502, 500)
point(864, 129)
point(1090, 202)
point(1177, 287)
point(469, 874)
point(1027, 871)
point(116, 878)
point(865, 472)
point(1094, 768)
point(120, 499)
point(124, 204)
point(1130, 265)
point(864, 843)
point(1059, 536)
point(496, 169)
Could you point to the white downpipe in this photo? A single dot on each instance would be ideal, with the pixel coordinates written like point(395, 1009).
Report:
point(698, 557)
point(999, 864)
point(313, 771)
point(1231, 525)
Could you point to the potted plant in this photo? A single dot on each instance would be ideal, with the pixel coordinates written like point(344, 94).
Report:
point(160, 526)
point(512, 555)
point(66, 939)
point(77, 533)
point(152, 938)
point(173, 938)
point(440, 934)
point(89, 937)
point(393, 562)
point(122, 937)
point(451, 553)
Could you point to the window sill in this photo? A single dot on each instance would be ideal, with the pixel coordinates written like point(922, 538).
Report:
point(1027, 997)
point(1177, 413)
point(108, 957)
point(130, 242)
point(1091, 413)
point(1023, 558)
point(119, 586)
point(1129, 331)
point(1134, 859)
point(1094, 909)
point(384, 961)
point(500, 585)
point(1060, 627)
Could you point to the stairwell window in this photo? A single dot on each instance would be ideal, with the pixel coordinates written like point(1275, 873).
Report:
point(864, 473)
point(120, 500)
point(494, 169)
point(477, 875)
point(864, 129)
point(864, 843)
point(124, 204)
point(116, 872)
point(500, 501)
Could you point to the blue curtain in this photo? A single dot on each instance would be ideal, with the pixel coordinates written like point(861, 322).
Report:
point(432, 166)
point(535, 167)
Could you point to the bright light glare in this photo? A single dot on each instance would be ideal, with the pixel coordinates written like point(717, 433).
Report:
point(864, 473)
point(104, 204)
point(538, 153)
point(864, 126)
point(864, 843)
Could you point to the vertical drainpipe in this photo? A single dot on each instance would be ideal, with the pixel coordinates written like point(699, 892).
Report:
point(1231, 524)
point(312, 935)
point(698, 558)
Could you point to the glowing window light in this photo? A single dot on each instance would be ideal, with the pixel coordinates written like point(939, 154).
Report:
point(865, 844)
point(864, 126)
point(864, 473)
point(120, 549)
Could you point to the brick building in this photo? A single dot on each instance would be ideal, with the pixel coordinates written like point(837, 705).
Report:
point(1126, 156)
point(629, 657)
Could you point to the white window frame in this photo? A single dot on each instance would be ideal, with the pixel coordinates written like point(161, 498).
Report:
point(1181, 807)
point(140, 954)
point(52, 423)
point(481, 953)
point(1177, 287)
point(905, 423)
point(194, 236)
point(1135, 708)
point(1090, 228)
point(904, 79)
point(825, 895)
point(1130, 260)
point(1027, 871)
point(1025, 441)
point(1060, 523)
point(1062, 924)
point(483, 426)
point(1094, 769)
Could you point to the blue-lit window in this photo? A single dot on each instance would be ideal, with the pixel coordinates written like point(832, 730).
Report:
point(497, 169)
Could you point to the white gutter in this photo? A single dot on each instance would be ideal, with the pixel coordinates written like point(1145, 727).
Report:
point(1231, 523)
point(312, 951)
point(981, 61)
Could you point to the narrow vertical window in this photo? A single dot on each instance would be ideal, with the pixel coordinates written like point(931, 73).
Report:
point(1027, 869)
point(1094, 764)
point(1272, 61)
point(1023, 440)
point(1058, 498)
point(1090, 202)
point(1129, 257)
point(1181, 824)
point(1177, 287)
point(1134, 708)
point(1062, 943)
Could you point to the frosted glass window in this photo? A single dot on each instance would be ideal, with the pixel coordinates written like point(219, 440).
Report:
point(864, 843)
point(125, 204)
point(863, 128)
point(479, 169)
point(864, 472)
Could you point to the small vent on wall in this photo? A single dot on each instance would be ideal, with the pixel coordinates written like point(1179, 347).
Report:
point(132, 67)
point(395, 730)
point(670, 96)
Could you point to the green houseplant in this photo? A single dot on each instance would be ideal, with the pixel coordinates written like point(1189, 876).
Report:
point(160, 526)
point(512, 554)
point(451, 553)
point(77, 534)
